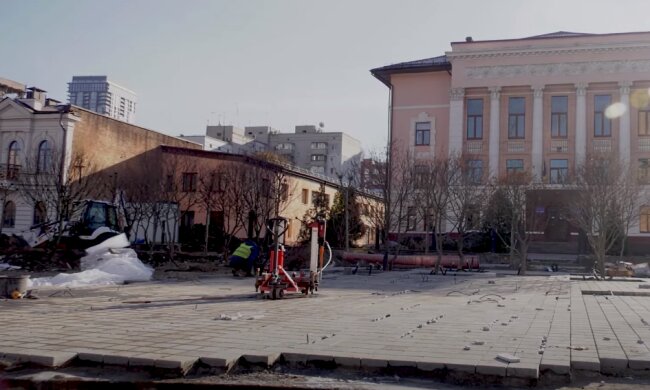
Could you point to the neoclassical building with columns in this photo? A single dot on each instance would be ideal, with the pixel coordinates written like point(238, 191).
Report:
point(543, 104)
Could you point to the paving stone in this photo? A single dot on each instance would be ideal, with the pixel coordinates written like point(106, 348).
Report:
point(182, 363)
point(91, 357)
point(263, 359)
point(430, 365)
point(492, 367)
point(347, 361)
point(373, 363)
point(560, 367)
point(523, 370)
point(295, 357)
point(311, 357)
point(402, 363)
point(122, 360)
point(142, 361)
point(639, 363)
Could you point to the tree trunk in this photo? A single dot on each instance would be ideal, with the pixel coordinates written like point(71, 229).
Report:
point(207, 230)
point(461, 245)
point(523, 256)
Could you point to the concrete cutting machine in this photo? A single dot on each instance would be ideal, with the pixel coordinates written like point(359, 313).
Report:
point(275, 281)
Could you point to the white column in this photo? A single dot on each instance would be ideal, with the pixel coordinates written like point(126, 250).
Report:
point(624, 123)
point(456, 97)
point(493, 164)
point(581, 123)
point(538, 134)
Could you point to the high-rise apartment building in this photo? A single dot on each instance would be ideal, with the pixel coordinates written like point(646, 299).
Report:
point(98, 94)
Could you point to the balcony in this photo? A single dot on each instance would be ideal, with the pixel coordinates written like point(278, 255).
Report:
point(474, 147)
point(559, 146)
point(602, 145)
point(516, 146)
point(644, 144)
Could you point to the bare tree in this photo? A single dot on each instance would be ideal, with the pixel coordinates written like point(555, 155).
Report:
point(180, 188)
point(467, 196)
point(265, 192)
point(60, 185)
point(605, 204)
point(228, 199)
point(514, 216)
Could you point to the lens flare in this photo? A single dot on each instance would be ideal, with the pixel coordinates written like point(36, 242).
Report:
point(615, 110)
point(640, 98)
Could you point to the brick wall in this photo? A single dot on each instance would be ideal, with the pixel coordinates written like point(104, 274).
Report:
point(107, 141)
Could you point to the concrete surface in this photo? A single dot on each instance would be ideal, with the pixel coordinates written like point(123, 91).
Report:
point(388, 321)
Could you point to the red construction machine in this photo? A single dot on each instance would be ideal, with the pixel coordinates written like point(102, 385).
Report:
point(275, 281)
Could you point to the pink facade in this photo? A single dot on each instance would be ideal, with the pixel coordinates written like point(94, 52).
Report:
point(543, 104)
point(574, 70)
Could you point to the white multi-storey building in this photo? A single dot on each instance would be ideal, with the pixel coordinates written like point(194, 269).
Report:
point(326, 153)
point(98, 94)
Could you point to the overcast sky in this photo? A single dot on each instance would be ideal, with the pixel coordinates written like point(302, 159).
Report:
point(281, 63)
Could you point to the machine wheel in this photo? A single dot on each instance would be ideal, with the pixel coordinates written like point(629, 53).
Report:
point(280, 293)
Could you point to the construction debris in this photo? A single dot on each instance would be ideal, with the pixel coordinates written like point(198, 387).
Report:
point(508, 358)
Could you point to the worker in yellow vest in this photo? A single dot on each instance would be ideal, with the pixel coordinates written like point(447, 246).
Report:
point(244, 257)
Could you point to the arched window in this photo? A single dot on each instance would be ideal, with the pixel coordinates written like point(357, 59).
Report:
point(40, 213)
point(44, 156)
point(12, 160)
point(9, 215)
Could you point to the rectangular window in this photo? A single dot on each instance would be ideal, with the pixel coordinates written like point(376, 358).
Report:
point(319, 199)
point(475, 171)
point(305, 195)
point(419, 181)
point(559, 114)
point(284, 192)
point(319, 145)
point(513, 166)
point(644, 122)
point(474, 118)
point(602, 124)
point(516, 117)
point(318, 157)
point(644, 220)
point(644, 171)
point(422, 133)
point(189, 181)
point(283, 146)
point(410, 218)
point(559, 171)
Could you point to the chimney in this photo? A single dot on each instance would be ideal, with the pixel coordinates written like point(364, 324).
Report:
point(35, 98)
point(469, 39)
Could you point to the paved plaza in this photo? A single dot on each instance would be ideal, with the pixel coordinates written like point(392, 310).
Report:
point(387, 321)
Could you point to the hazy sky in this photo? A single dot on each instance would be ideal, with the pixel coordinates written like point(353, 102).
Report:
point(280, 63)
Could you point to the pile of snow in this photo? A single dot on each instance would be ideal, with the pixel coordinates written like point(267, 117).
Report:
point(103, 265)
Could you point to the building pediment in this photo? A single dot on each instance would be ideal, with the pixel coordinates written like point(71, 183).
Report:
point(9, 109)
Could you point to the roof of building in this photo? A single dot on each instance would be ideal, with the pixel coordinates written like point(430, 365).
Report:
point(559, 34)
point(51, 109)
point(442, 62)
point(424, 65)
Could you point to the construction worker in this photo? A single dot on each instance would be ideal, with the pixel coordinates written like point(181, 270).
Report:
point(244, 257)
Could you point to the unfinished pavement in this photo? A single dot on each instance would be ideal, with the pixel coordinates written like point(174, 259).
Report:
point(448, 327)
